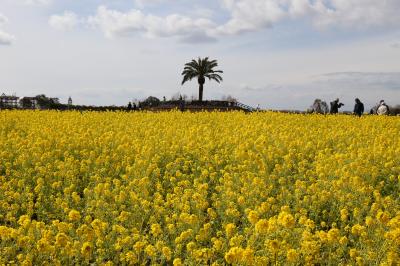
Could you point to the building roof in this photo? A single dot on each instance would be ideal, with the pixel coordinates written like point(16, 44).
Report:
point(8, 97)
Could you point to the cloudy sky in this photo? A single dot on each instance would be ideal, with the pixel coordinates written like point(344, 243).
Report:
point(281, 54)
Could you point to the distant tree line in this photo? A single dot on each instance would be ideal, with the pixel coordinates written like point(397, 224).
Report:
point(154, 101)
point(42, 102)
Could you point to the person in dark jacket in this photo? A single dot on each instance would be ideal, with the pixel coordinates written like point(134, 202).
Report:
point(358, 107)
point(181, 103)
point(335, 105)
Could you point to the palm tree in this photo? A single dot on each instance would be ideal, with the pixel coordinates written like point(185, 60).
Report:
point(202, 69)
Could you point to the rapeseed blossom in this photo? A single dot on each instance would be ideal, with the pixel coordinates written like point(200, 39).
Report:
point(118, 188)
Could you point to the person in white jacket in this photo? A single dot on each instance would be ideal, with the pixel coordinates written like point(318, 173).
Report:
point(383, 108)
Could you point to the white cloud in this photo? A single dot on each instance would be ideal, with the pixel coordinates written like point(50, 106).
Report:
point(196, 25)
point(65, 22)
point(30, 2)
point(395, 45)
point(362, 80)
point(3, 20)
point(37, 2)
point(202, 12)
point(252, 15)
point(143, 3)
point(245, 16)
point(5, 38)
point(115, 23)
point(359, 13)
point(370, 87)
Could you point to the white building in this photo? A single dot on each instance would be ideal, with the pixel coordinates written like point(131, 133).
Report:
point(8, 101)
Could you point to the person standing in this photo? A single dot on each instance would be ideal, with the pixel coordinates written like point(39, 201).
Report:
point(181, 103)
point(358, 108)
point(383, 108)
point(335, 105)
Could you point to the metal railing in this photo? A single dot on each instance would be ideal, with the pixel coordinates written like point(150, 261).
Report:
point(245, 107)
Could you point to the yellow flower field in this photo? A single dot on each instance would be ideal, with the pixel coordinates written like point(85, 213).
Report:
point(194, 189)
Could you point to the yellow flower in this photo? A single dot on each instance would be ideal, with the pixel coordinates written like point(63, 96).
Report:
point(273, 245)
point(24, 220)
point(156, 229)
point(150, 250)
point(87, 249)
point(138, 246)
point(74, 215)
point(177, 262)
point(211, 213)
point(262, 226)
point(27, 262)
point(190, 246)
point(236, 241)
point(369, 221)
point(333, 235)
point(382, 217)
point(248, 256)
point(286, 219)
point(123, 188)
point(353, 253)
point(357, 230)
point(124, 216)
point(166, 251)
point(343, 240)
point(43, 245)
point(230, 229)
point(393, 257)
point(131, 257)
point(234, 255)
point(292, 255)
point(241, 200)
point(253, 217)
point(344, 214)
point(217, 244)
point(61, 239)
point(359, 261)
point(394, 236)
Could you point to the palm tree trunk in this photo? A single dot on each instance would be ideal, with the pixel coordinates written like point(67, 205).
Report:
point(200, 92)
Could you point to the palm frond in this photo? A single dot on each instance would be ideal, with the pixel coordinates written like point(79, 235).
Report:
point(201, 67)
point(193, 64)
point(187, 76)
point(215, 77)
point(212, 64)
